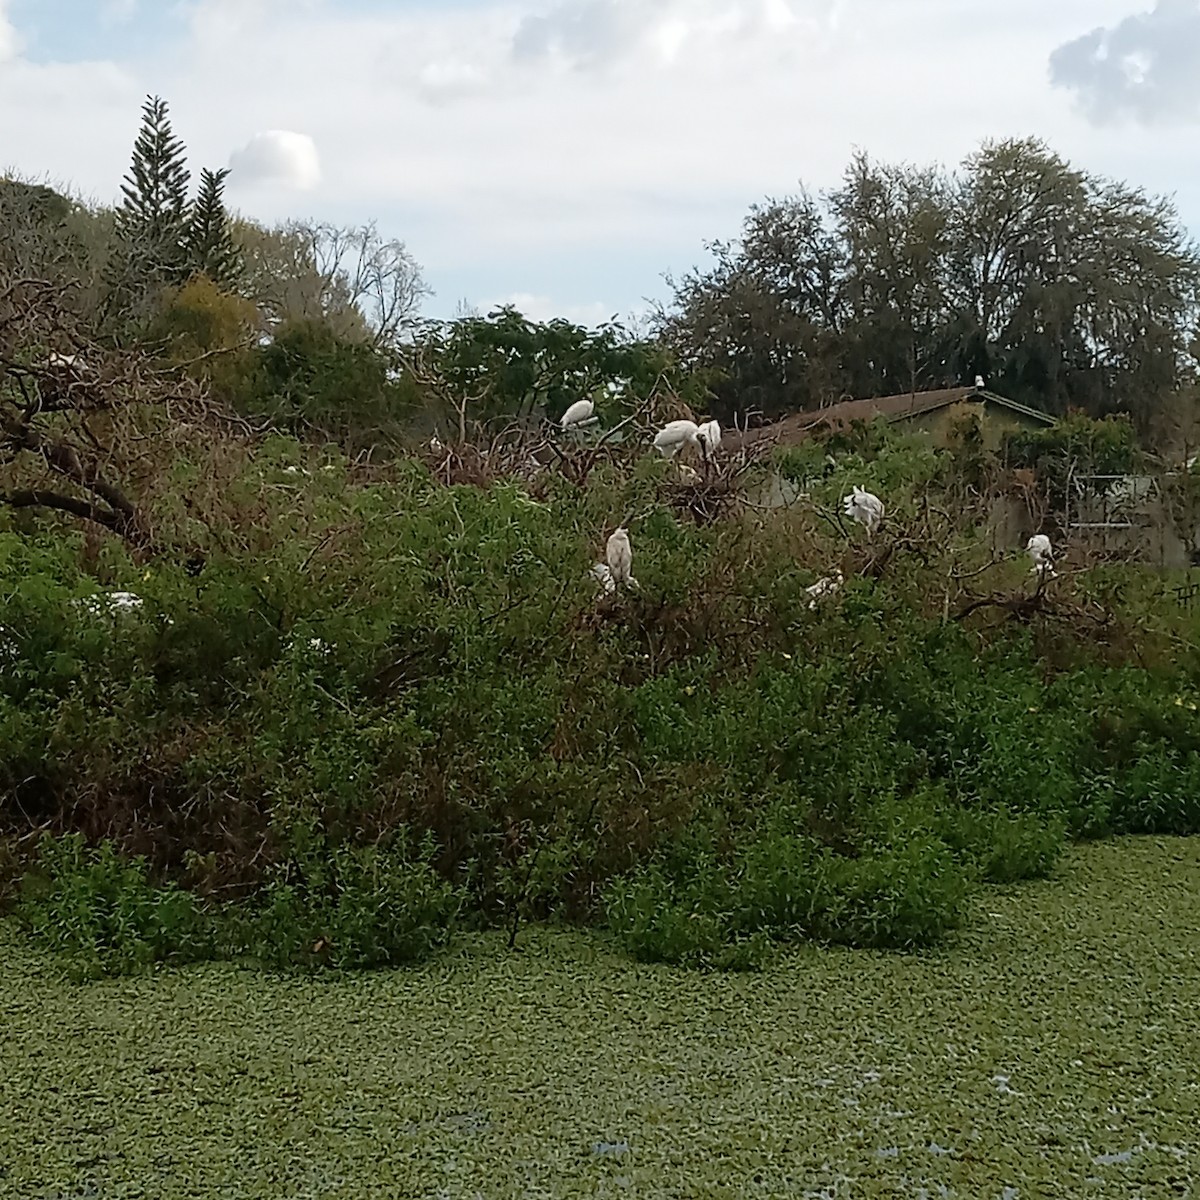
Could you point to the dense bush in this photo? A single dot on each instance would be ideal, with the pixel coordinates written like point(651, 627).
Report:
point(389, 702)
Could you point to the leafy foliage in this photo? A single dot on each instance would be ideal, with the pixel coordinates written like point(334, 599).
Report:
point(398, 700)
point(105, 913)
point(513, 369)
point(1018, 267)
point(308, 378)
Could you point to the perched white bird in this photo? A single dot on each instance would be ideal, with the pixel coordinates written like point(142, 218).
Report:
point(619, 555)
point(825, 586)
point(605, 578)
point(673, 436)
point(578, 415)
point(435, 444)
point(865, 508)
point(1041, 553)
point(710, 437)
point(979, 383)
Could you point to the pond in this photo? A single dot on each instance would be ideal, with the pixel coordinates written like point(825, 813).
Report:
point(1052, 1051)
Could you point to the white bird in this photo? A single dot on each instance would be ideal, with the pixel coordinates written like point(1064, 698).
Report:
point(826, 586)
point(979, 383)
point(578, 415)
point(686, 473)
point(604, 577)
point(619, 555)
point(710, 436)
point(673, 436)
point(1041, 553)
point(865, 508)
point(435, 444)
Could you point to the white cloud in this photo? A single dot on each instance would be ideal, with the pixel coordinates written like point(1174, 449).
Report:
point(276, 157)
point(1146, 66)
point(592, 33)
point(574, 150)
point(118, 12)
point(9, 43)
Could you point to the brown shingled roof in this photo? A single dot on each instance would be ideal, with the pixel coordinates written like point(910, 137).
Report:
point(799, 426)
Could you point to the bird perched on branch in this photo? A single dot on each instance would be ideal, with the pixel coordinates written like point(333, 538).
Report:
point(579, 414)
point(673, 436)
point(1042, 555)
point(825, 586)
point(865, 508)
point(619, 556)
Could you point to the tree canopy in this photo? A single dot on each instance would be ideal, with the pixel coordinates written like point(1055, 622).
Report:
point(1063, 289)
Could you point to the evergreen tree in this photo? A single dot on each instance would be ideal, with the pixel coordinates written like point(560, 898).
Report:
point(208, 240)
point(153, 216)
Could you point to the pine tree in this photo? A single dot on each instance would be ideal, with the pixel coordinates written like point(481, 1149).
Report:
point(152, 219)
point(208, 241)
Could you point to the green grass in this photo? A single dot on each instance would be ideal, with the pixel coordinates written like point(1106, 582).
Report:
point(1049, 1051)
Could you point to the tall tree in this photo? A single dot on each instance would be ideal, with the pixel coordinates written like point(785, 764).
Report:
point(152, 218)
point(209, 248)
point(1063, 289)
point(364, 286)
point(894, 223)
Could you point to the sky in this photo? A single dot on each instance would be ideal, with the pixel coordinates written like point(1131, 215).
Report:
point(567, 155)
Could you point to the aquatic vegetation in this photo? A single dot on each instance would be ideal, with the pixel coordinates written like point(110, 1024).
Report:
point(1048, 1050)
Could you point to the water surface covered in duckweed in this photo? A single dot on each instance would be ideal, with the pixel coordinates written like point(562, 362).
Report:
point(1052, 1051)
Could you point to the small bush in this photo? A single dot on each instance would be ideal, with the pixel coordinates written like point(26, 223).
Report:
point(363, 907)
point(105, 914)
point(1005, 846)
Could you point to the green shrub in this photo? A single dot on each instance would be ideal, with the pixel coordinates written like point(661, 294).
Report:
point(105, 914)
point(706, 762)
point(360, 907)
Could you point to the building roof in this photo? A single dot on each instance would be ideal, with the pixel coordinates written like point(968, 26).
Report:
point(799, 426)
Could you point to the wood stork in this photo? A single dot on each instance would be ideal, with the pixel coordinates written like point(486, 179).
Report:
point(673, 436)
point(579, 414)
point(709, 435)
point(1041, 553)
point(824, 587)
point(619, 556)
point(865, 508)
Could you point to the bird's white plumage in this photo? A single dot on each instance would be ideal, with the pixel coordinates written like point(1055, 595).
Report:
point(618, 554)
point(604, 577)
point(825, 586)
point(979, 383)
point(580, 413)
point(1041, 553)
point(673, 436)
point(709, 435)
point(864, 507)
